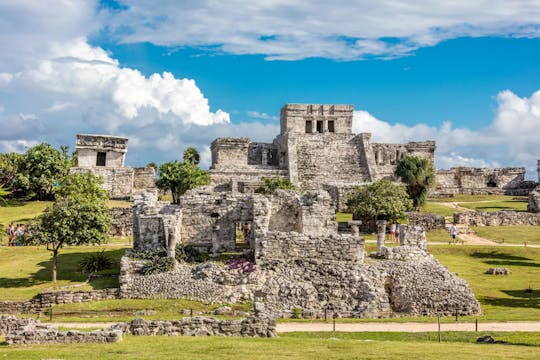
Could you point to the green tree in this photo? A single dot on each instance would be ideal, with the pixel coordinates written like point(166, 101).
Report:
point(3, 194)
point(179, 177)
point(419, 175)
point(79, 216)
point(152, 165)
point(381, 201)
point(41, 169)
point(192, 155)
point(9, 167)
point(271, 184)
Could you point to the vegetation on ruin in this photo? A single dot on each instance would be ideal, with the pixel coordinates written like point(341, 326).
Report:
point(382, 200)
point(79, 216)
point(419, 175)
point(272, 184)
point(179, 177)
point(329, 345)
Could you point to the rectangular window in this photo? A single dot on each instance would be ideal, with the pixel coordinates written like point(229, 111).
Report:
point(101, 159)
point(309, 127)
point(331, 126)
point(319, 126)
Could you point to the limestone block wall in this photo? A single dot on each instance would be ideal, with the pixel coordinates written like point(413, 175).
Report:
point(229, 152)
point(387, 155)
point(318, 215)
point(200, 326)
point(144, 178)
point(339, 194)
point(47, 299)
point(410, 235)
point(429, 221)
point(465, 180)
point(533, 202)
point(498, 218)
point(294, 117)
point(46, 334)
point(291, 246)
point(328, 158)
point(87, 147)
point(121, 221)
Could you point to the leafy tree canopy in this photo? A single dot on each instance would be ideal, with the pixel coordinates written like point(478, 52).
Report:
point(382, 200)
point(3, 194)
point(78, 216)
point(9, 167)
point(419, 175)
point(271, 184)
point(42, 168)
point(192, 155)
point(179, 177)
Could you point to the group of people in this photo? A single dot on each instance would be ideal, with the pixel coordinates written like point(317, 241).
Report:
point(394, 232)
point(15, 233)
point(394, 229)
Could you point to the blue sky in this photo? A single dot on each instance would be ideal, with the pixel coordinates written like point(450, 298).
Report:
point(172, 74)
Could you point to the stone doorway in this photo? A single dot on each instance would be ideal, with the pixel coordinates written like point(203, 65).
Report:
point(243, 234)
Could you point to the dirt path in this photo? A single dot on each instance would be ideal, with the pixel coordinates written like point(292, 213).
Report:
point(410, 327)
point(369, 327)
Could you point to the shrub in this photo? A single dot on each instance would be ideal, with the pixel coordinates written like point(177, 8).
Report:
point(188, 253)
point(159, 265)
point(93, 263)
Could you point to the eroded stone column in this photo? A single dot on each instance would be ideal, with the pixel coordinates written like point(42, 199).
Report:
point(381, 233)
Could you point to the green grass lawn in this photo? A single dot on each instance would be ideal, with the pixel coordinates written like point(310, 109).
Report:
point(25, 271)
point(509, 204)
point(434, 207)
point(295, 346)
point(19, 212)
point(513, 234)
point(503, 298)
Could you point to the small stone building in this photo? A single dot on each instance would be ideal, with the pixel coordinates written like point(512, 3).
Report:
point(104, 156)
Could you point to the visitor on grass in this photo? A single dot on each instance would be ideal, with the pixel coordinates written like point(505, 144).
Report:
point(19, 234)
point(393, 232)
point(453, 233)
point(11, 234)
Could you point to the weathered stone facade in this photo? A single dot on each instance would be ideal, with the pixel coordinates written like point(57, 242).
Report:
point(315, 148)
point(481, 181)
point(104, 155)
point(428, 221)
point(121, 221)
point(498, 218)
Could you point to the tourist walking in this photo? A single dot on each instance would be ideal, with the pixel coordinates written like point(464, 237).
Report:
point(11, 234)
point(453, 233)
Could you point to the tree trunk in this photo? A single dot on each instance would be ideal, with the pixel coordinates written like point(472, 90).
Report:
point(54, 262)
point(381, 233)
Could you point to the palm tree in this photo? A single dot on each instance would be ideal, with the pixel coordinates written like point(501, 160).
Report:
point(192, 155)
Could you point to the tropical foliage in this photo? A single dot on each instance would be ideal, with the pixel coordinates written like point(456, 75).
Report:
point(271, 184)
point(419, 175)
point(179, 177)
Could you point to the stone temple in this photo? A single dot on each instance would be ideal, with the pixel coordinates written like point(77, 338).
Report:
point(315, 149)
point(104, 156)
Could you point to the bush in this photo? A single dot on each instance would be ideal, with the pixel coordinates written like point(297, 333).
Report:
point(159, 265)
point(95, 262)
point(189, 253)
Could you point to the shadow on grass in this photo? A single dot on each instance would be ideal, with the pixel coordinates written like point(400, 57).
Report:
point(68, 270)
point(511, 263)
point(516, 302)
point(526, 294)
point(495, 254)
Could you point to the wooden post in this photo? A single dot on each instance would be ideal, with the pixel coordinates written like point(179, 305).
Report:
point(439, 326)
point(191, 312)
point(476, 324)
point(50, 313)
point(457, 315)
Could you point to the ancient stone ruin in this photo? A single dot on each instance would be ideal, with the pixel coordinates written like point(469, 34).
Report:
point(299, 261)
point(104, 155)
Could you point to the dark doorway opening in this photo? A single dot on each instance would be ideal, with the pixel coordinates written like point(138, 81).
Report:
point(101, 159)
point(319, 126)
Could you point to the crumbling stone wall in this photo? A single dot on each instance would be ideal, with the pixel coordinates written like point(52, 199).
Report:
point(533, 204)
point(479, 181)
point(254, 326)
point(498, 218)
point(121, 221)
point(428, 221)
point(387, 156)
point(292, 246)
point(47, 299)
point(411, 235)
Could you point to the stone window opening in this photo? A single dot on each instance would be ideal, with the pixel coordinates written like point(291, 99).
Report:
point(243, 232)
point(331, 127)
point(319, 126)
point(101, 159)
point(309, 127)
